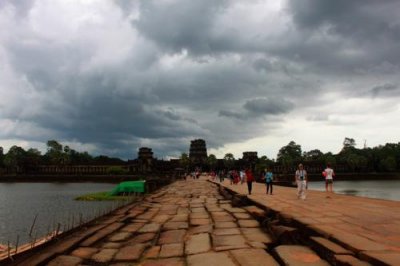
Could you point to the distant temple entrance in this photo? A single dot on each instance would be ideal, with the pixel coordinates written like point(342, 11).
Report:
point(198, 153)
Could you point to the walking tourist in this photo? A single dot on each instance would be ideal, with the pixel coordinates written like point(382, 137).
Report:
point(301, 180)
point(268, 180)
point(249, 179)
point(328, 173)
point(242, 176)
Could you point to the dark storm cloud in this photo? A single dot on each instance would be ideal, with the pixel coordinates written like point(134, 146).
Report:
point(346, 35)
point(259, 108)
point(387, 90)
point(266, 106)
point(188, 69)
point(177, 25)
point(364, 19)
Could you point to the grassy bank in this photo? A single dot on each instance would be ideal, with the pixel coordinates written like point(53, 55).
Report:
point(103, 196)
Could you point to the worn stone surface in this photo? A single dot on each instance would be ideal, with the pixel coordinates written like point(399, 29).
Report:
point(227, 242)
point(152, 252)
point(210, 259)
point(226, 231)
point(248, 223)
point(172, 236)
point(171, 250)
point(65, 261)
point(349, 260)
point(199, 215)
point(357, 224)
point(121, 236)
point(256, 235)
point(200, 229)
point(199, 221)
point(104, 255)
point(161, 218)
point(130, 253)
point(113, 245)
point(102, 233)
point(180, 218)
point(299, 256)
point(253, 257)
point(387, 257)
point(142, 238)
point(84, 253)
point(241, 215)
point(198, 243)
point(225, 225)
point(165, 262)
point(150, 228)
point(175, 225)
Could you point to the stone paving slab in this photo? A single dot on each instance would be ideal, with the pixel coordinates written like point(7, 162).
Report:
point(253, 257)
point(84, 253)
point(210, 259)
point(65, 261)
point(198, 243)
point(349, 260)
point(187, 223)
point(104, 255)
point(172, 236)
point(384, 258)
point(299, 256)
point(361, 225)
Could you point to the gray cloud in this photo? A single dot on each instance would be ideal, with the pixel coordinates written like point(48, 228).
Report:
point(119, 75)
point(268, 106)
point(385, 90)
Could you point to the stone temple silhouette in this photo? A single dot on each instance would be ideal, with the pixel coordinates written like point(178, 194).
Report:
point(198, 152)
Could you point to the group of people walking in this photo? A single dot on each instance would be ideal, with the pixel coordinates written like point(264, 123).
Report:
point(301, 179)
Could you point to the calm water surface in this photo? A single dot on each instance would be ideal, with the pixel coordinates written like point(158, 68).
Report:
point(380, 189)
point(52, 203)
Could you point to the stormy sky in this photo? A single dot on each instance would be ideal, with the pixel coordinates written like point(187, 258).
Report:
point(108, 77)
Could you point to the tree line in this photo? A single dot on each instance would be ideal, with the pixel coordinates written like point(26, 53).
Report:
point(19, 160)
point(383, 158)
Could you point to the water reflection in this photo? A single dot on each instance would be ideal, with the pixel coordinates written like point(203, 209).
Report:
point(381, 189)
point(53, 203)
point(348, 192)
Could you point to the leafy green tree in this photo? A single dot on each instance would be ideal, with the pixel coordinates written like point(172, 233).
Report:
point(329, 158)
point(388, 164)
point(1, 157)
point(349, 142)
point(184, 161)
point(212, 161)
point(55, 152)
point(262, 163)
point(229, 161)
point(356, 162)
point(290, 153)
point(14, 159)
point(33, 158)
point(313, 155)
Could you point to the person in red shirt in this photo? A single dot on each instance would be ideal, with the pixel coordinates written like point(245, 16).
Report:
point(249, 179)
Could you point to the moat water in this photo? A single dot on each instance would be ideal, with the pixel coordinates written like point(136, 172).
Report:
point(52, 203)
point(379, 189)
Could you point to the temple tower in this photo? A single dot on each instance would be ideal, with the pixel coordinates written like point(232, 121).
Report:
point(198, 152)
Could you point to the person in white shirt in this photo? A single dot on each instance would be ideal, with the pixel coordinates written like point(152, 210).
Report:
point(328, 173)
point(301, 180)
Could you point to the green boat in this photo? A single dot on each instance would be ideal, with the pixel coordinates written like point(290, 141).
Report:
point(129, 187)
